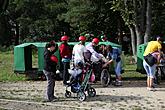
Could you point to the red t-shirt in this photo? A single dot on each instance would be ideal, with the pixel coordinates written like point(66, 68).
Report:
point(65, 51)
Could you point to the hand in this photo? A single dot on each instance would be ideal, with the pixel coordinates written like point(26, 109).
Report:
point(105, 65)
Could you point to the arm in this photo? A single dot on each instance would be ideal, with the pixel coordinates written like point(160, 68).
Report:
point(61, 48)
point(47, 59)
point(73, 54)
point(90, 48)
point(107, 63)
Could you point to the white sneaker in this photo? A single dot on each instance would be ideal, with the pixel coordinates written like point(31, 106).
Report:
point(151, 89)
point(118, 83)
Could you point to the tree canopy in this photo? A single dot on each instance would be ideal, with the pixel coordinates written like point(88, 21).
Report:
point(43, 20)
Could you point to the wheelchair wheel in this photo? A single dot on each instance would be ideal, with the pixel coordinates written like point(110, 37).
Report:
point(105, 78)
point(81, 96)
point(91, 92)
point(67, 94)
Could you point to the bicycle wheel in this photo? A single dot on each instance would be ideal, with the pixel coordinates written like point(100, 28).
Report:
point(105, 77)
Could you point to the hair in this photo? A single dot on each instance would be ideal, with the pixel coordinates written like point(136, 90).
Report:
point(50, 44)
point(109, 48)
point(160, 39)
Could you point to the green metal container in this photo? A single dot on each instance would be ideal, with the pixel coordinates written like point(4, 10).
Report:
point(140, 51)
point(23, 56)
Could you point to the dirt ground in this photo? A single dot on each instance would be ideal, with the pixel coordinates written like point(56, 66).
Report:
point(133, 95)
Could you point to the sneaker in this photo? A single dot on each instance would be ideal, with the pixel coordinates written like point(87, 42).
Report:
point(65, 84)
point(54, 100)
point(151, 89)
point(46, 100)
point(54, 97)
point(118, 83)
point(51, 100)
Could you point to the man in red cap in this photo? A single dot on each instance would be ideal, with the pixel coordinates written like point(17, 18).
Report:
point(66, 55)
point(90, 48)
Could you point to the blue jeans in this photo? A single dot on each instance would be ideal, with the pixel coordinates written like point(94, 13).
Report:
point(50, 76)
point(118, 68)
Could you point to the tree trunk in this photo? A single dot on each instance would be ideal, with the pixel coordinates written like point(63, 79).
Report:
point(138, 23)
point(3, 5)
point(138, 35)
point(148, 21)
point(142, 15)
point(133, 42)
point(17, 34)
point(120, 40)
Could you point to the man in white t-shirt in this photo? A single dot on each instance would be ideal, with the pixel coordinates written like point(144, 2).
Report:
point(78, 51)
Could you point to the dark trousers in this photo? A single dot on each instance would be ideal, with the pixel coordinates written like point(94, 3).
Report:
point(50, 76)
point(66, 66)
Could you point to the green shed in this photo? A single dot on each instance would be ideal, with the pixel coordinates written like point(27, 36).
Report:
point(23, 57)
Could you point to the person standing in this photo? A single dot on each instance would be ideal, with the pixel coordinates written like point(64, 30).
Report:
point(78, 51)
point(50, 69)
point(152, 55)
point(91, 48)
point(66, 55)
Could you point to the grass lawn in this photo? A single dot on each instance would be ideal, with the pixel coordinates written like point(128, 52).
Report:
point(6, 67)
point(130, 71)
point(7, 73)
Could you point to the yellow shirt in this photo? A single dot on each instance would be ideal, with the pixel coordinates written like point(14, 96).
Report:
point(152, 46)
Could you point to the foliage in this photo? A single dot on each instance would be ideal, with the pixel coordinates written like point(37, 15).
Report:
point(5, 32)
point(158, 18)
point(42, 20)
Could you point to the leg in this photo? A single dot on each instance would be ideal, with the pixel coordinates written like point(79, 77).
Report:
point(152, 75)
point(65, 72)
point(148, 81)
point(146, 67)
point(118, 73)
point(50, 85)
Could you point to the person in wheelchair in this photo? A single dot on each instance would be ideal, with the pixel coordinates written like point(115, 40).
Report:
point(114, 57)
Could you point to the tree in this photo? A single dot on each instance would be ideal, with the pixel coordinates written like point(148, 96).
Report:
point(158, 17)
point(79, 14)
point(35, 19)
point(133, 13)
point(3, 5)
point(92, 16)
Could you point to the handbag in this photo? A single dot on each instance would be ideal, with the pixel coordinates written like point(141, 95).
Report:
point(150, 59)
